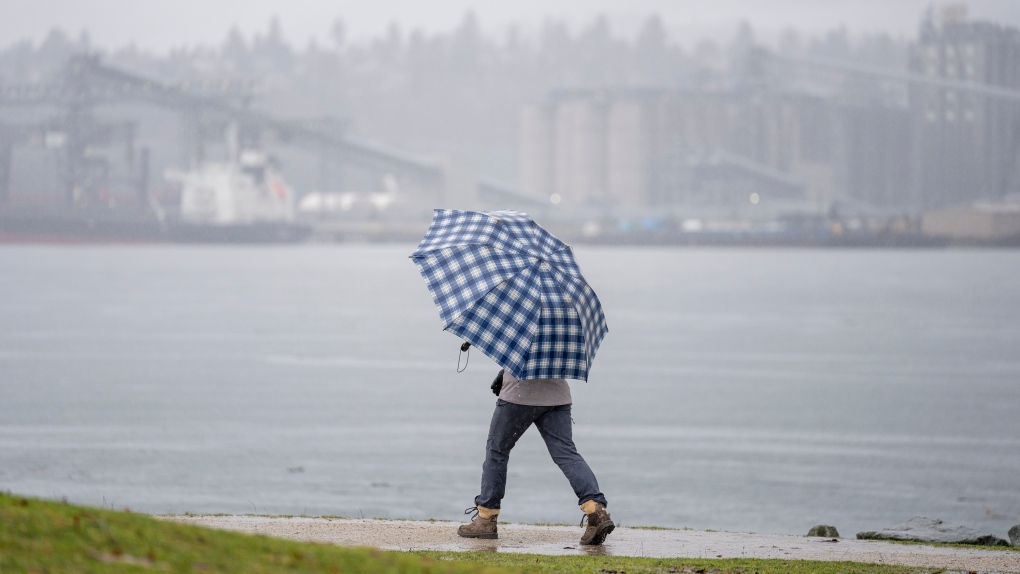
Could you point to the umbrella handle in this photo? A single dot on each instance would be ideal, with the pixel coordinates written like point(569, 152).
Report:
point(465, 347)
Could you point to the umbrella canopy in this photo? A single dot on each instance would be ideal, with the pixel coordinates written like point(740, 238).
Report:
point(512, 289)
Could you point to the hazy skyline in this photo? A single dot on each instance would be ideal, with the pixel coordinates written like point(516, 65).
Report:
point(161, 25)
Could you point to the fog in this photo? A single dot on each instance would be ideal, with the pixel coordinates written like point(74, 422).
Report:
point(734, 112)
point(163, 25)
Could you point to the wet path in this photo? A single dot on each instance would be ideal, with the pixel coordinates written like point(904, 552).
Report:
point(562, 540)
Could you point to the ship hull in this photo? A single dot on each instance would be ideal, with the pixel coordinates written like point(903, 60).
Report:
point(74, 228)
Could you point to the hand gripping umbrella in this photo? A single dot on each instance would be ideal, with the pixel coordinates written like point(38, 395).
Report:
point(513, 290)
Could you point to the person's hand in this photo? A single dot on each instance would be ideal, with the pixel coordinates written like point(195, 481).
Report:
point(497, 383)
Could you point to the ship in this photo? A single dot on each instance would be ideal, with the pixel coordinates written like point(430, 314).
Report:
point(243, 200)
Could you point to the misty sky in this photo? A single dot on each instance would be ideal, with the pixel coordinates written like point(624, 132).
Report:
point(160, 25)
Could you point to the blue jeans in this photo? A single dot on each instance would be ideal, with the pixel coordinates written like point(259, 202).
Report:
point(509, 422)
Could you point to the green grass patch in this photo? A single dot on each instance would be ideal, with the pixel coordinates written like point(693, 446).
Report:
point(43, 536)
point(624, 565)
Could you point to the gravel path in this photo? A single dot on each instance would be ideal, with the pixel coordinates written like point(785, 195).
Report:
point(562, 540)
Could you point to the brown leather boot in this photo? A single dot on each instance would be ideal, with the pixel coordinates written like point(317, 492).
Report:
point(599, 524)
point(483, 523)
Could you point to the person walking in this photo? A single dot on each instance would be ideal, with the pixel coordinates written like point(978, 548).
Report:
point(546, 404)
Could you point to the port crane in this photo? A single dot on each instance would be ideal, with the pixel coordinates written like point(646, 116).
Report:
point(206, 108)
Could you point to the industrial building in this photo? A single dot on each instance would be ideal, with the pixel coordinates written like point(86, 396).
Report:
point(953, 138)
point(980, 223)
point(969, 143)
point(647, 148)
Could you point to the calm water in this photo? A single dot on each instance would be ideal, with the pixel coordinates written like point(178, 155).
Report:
point(748, 390)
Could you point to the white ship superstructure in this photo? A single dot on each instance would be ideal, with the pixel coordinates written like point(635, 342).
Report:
point(241, 192)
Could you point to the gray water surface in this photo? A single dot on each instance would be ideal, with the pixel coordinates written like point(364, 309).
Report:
point(746, 390)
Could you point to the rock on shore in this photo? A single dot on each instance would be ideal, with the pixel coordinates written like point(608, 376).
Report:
point(824, 530)
point(922, 529)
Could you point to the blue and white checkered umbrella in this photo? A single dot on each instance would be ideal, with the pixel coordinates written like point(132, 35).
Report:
point(512, 289)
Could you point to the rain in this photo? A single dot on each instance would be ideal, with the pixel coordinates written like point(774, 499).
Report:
point(786, 236)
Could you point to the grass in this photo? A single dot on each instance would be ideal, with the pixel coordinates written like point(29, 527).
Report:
point(44, 536)
point(624, 565)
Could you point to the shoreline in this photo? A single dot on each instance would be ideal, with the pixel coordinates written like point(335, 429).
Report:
point(625, 541)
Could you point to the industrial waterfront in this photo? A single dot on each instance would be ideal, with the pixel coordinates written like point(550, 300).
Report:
point(824, 141)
